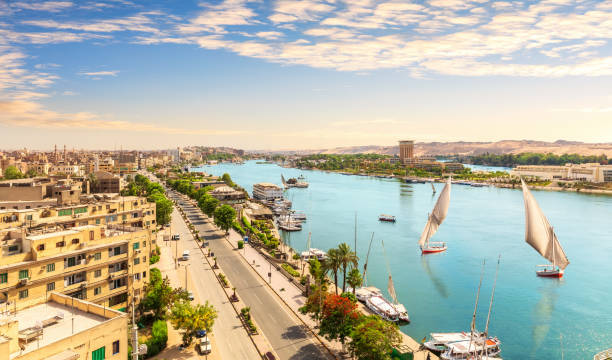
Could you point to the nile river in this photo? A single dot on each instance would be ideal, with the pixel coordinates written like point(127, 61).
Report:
point(534, 318)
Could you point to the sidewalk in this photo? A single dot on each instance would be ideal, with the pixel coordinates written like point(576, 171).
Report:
point(292, 296)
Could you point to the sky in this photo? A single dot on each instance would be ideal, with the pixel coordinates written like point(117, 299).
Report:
point(302, 74)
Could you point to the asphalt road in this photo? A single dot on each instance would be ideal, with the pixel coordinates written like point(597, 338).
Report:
point(285, 332)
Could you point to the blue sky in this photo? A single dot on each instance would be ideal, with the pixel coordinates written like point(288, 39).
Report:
point(290, 74)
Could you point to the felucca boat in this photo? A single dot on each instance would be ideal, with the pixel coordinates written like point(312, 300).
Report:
point(437, 215)
point(541, 236)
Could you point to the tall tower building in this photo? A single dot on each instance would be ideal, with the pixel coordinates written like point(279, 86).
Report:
point(406, 151)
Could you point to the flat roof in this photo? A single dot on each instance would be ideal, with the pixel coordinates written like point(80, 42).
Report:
point(59, 323)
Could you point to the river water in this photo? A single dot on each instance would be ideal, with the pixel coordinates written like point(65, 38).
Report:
point(535, 318)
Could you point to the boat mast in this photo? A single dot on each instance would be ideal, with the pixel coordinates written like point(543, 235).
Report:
point(365, 265)
point(473, 325)
point(552, 241)
point(355, 232)
point(486, 332)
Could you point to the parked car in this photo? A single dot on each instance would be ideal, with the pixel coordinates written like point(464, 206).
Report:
point(185, 255)
point(204, 346)
point(200, 333)
point(190, 296)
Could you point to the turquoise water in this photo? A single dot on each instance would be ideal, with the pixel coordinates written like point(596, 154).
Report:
point(534, 318)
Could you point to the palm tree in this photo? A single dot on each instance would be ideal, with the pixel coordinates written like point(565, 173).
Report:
point(347, 257)
point(333, 264)
point(354, 279)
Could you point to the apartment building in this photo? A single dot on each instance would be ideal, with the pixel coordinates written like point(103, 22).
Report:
point(131, 211)
point(63, 328)
point(67, 169)
point(103, 265)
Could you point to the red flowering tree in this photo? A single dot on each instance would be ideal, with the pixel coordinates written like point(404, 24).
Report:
point(338, 318)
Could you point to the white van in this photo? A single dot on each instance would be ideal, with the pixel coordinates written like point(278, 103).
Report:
point(185, 255)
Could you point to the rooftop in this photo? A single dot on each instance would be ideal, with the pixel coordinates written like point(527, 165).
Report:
point(59, 318)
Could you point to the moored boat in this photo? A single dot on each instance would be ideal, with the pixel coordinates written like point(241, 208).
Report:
point(382, 307)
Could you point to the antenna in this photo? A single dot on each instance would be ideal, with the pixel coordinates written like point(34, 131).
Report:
point(486, 332)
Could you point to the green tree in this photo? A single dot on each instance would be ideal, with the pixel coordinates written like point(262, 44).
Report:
point(160, 295)
point(354, 279)
point(224, 217)
point(208, 204)
point(31, 173)
point(347, 257)
point(227, 179)
point(374, 339)
point(333, 264)
point(163, 207)
point(11, 172)
point(189, 318)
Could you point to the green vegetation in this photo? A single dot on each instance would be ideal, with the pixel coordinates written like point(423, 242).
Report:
point(159, 337)
point(226, 178)
point(154, 259)
point(141, 186)
point(246, 315)
point(11, 172)
point(224, 217)
point(240, 244)
point(355, 163)
point(347, 257)
point(236, 226)
point(510, 160)
point(374, 339)
point(160, 296)
point(190, 318)
point(333, 264)
point(222, 278)
point(354, 279)
point(208, 204)
point(290, 270)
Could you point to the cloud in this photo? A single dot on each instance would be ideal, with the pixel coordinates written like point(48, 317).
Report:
point(270, 35)
point(215, 17)
point(100, 73)
point(50, 6)
point(69, 93)
point(29, 114)
point(47, 37)
point(138, 23)
point(296, 10)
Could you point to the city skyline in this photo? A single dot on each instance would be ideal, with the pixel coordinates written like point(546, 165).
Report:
point(302, 74)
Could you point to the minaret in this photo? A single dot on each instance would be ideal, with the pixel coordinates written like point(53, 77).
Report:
point(55, 155)
point(65, 154)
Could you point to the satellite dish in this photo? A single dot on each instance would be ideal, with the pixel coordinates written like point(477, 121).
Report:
point(142, 349)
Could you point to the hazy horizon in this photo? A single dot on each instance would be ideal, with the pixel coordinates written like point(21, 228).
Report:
point(304, 74)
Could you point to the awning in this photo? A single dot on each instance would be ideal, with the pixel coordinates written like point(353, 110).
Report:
point(65, 355)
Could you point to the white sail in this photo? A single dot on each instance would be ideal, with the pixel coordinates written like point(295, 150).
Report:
point(283, 180)
point(538, 232)
point(437, 215)
point(432, 187)
point(391, 289)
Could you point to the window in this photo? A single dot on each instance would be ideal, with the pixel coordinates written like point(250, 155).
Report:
point(97, 221)
point(98, 256)
point(23, 294)
point(41, 247)
point(144, 259)
point(136, 246)
point(97, 290)
point(79, 210)
point(98, 273)
point(71, 261)
point(60, 244)
point(137, 276)
point(28, 217)
point(144, 244)
point(136, 261)
point(13, 248)
point(144, 274)
point(99, 354)
point(75, 241)
point(23, 274)
point(65, 212)
point(91, 235)
point(51, 286)
point(115, 347)
point(50, 267)
point(3, 278)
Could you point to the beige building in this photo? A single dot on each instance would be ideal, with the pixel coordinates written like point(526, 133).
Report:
point(130, 211)
point(40, 167)
point(406, 151)
point(267, 191)
point(591, 172)
point(228, 195)
point(107, 182)
point(103, 265)
point(67, 169)
point(63, 328)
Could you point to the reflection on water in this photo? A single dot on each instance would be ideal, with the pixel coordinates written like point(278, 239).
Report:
point(543, 311)
point(438, 283)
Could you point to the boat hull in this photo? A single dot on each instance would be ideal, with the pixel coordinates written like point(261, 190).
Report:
point(550, 273)
point(433, 249)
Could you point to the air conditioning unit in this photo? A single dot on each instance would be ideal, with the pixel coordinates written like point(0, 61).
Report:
point(23, 281)
point(83, 261)
point(84, 284)
point(137, 251)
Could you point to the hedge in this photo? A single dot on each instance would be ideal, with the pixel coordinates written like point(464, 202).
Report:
point(159, 338)
point(290, 270)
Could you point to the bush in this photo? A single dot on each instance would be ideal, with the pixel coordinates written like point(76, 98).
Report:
point(290, 270)
point(240, 244)
point(223, 280)
point(159, 338)
point(153, 259)
point(239, 228)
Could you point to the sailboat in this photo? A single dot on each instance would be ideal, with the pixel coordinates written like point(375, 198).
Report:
point(432, 187)
point(401, 310)
point(541, 236)
point(437, 215)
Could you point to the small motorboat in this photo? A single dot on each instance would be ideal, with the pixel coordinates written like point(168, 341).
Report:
point(386, 218)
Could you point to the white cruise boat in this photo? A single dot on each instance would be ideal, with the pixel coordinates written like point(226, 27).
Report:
point(364, 293)
point(437, 342)
point(472, 349)
point(313, 253)
point(379, 305)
